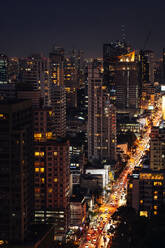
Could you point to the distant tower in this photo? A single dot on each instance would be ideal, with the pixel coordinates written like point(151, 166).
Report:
point(58, 95)
point(58, 99)
point(34, 71)
point(3, 69)
point(56, 61)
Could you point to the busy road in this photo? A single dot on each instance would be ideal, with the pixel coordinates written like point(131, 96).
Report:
point(102, 227)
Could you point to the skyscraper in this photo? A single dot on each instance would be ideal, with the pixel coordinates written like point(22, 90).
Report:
point(16, 170)
point(101, 117)
point(34, 71)
point(58, 95)
point(58, 102)
point(110, 53)
point(3, 69)
point(145, 192)
point(121, 75)
point(56, 61)
point(52, 184)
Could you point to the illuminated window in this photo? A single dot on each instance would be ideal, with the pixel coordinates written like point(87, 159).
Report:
point(36, 169)
point(155, 197)
point(55, 180)
point(97, 134)
point(55, 153)
point(49, 134)
point(42, 180)
point(42, 169)
point(155, 207)
point(155, 192)
point(131, 186)
point(37, 190)
point(141, 201)
point(50, 113)
point(37, 135)
point(2, 116)
point(155, 212)
point(157, 183)
point(67, 89)
point(50, 190)
point(144, 213)
point(39, 154)
point(36, 163)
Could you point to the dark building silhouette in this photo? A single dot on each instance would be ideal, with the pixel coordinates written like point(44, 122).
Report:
point(16, 170)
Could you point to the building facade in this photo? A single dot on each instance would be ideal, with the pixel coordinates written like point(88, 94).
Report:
point(52, 184)
point(101, 117)
point(121, 75)
point(145, 192)
point(16, 170)
point(157, 148)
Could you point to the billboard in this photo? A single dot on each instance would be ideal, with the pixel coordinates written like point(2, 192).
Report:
point(150, 107)
point(162, 87)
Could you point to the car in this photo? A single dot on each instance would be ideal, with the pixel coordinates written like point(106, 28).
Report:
point(94, 241)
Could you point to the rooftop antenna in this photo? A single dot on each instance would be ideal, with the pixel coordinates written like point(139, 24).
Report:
point(123, 34)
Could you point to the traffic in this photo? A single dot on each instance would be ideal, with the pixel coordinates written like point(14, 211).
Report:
point(102, 227)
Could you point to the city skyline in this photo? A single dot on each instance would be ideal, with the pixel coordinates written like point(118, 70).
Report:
point(82, 124)
point(34, 27)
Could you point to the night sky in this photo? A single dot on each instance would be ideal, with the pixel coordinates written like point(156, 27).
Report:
point(28, 26)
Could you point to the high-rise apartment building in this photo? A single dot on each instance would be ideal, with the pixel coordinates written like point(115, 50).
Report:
point(146, 77)
point(146, 66)
point(34, 71)
point(145, 192)
point(157, 148)
point(56, 61)
point(71, 82)
point(4, 79)
point(58, 95)
point(58, 100)
point(101, 117)
point(52, 184)
point(16, 170)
